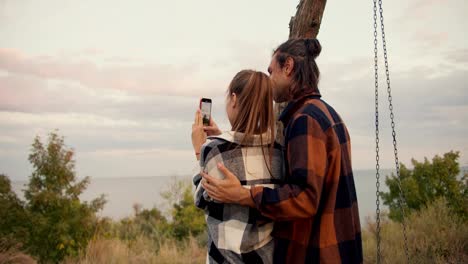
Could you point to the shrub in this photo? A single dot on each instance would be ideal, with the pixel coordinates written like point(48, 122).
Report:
point(426, 182)
point(435, 235)
point(14, 218)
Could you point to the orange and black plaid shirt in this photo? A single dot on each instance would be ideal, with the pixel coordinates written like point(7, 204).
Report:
point(315, 212)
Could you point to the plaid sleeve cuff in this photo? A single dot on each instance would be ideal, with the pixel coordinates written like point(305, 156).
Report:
point(256, 192)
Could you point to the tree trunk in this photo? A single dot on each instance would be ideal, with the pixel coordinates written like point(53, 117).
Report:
point(305, 24)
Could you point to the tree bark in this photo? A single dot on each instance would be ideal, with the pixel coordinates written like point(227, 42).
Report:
point(305, 24)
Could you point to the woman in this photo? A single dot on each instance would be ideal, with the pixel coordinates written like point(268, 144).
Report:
point(239, 234)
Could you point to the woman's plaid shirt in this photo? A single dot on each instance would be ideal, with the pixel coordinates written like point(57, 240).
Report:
point(238, 234)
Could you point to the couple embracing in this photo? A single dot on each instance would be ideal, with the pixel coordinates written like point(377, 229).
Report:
point(267, 202)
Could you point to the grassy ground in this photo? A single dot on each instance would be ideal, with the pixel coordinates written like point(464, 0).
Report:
point(435, 235)
point(12, 255)
point(141, 250)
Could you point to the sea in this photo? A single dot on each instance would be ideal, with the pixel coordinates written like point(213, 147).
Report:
point(122, 194)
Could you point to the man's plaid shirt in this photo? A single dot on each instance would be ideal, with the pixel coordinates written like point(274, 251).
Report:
point(238, 234)
point(316, 212)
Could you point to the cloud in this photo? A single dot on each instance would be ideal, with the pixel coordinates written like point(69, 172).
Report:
point(127, 107)
point(136, 162)
point(458, 56)
point(425, 27)
point(431, 109)
point(105, 147)
point(421, 10)
point(430, 40)
point(143, 78)
point(63, 120)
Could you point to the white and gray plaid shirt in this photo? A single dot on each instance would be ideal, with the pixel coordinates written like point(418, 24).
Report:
point(238, 234)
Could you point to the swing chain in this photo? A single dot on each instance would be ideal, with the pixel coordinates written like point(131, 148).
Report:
point(401, 198)
point(377, 157)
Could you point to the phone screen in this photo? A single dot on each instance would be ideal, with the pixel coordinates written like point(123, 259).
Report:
point(205, 108)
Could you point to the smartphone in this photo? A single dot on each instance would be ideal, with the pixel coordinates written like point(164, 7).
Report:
point(205, 107)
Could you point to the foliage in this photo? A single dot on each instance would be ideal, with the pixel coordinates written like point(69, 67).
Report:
point(185, 220)
point(435, 235)
point(13, 216)
point(149, 237)
point(426, 182)
point(60, 224)
point(149, 223)
point(188, 220)
point(52, 224)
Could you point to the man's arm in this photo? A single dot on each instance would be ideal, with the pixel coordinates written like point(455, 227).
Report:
point(307, 159)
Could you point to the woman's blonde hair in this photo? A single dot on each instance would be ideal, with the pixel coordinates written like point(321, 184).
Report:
point(256, 116)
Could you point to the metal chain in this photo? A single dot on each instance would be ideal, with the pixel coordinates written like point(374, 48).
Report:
point(401, 198)
point(377, 157)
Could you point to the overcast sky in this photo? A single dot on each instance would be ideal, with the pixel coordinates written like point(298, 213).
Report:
point(121, 79)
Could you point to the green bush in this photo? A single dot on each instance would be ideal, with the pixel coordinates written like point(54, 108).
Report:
point(14, 219)
point(186, 219)
point(435, 235)
point(148, 223)
point(426, 182)
point(186, 222)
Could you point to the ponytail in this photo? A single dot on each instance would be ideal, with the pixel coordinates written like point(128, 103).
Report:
point(256, 114)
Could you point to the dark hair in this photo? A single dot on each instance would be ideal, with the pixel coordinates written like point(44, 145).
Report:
point(305, 72)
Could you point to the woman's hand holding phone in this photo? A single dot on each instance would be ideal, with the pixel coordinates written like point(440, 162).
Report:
point(212, 129)
point(198, 134)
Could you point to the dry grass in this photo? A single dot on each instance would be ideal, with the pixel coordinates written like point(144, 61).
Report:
point(141, 250)
point(15, 258)
point(435, 235)
point(13, 255)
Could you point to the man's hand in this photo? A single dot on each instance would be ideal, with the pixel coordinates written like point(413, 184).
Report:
point(227, 190)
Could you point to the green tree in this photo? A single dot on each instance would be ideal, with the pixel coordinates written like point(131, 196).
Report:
point(149, 223)
point(426, 182)
point(187, 219)
point(61, 223)
point(13, 216)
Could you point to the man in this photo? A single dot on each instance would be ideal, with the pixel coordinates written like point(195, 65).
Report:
point(315, 212)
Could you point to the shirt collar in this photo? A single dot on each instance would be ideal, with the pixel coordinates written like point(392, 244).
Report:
point(295, 104)
point(238, 137)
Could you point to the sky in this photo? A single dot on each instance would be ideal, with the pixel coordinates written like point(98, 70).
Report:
point(120, 80)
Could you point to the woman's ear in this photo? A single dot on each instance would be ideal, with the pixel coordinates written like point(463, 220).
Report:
point(234, 100)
